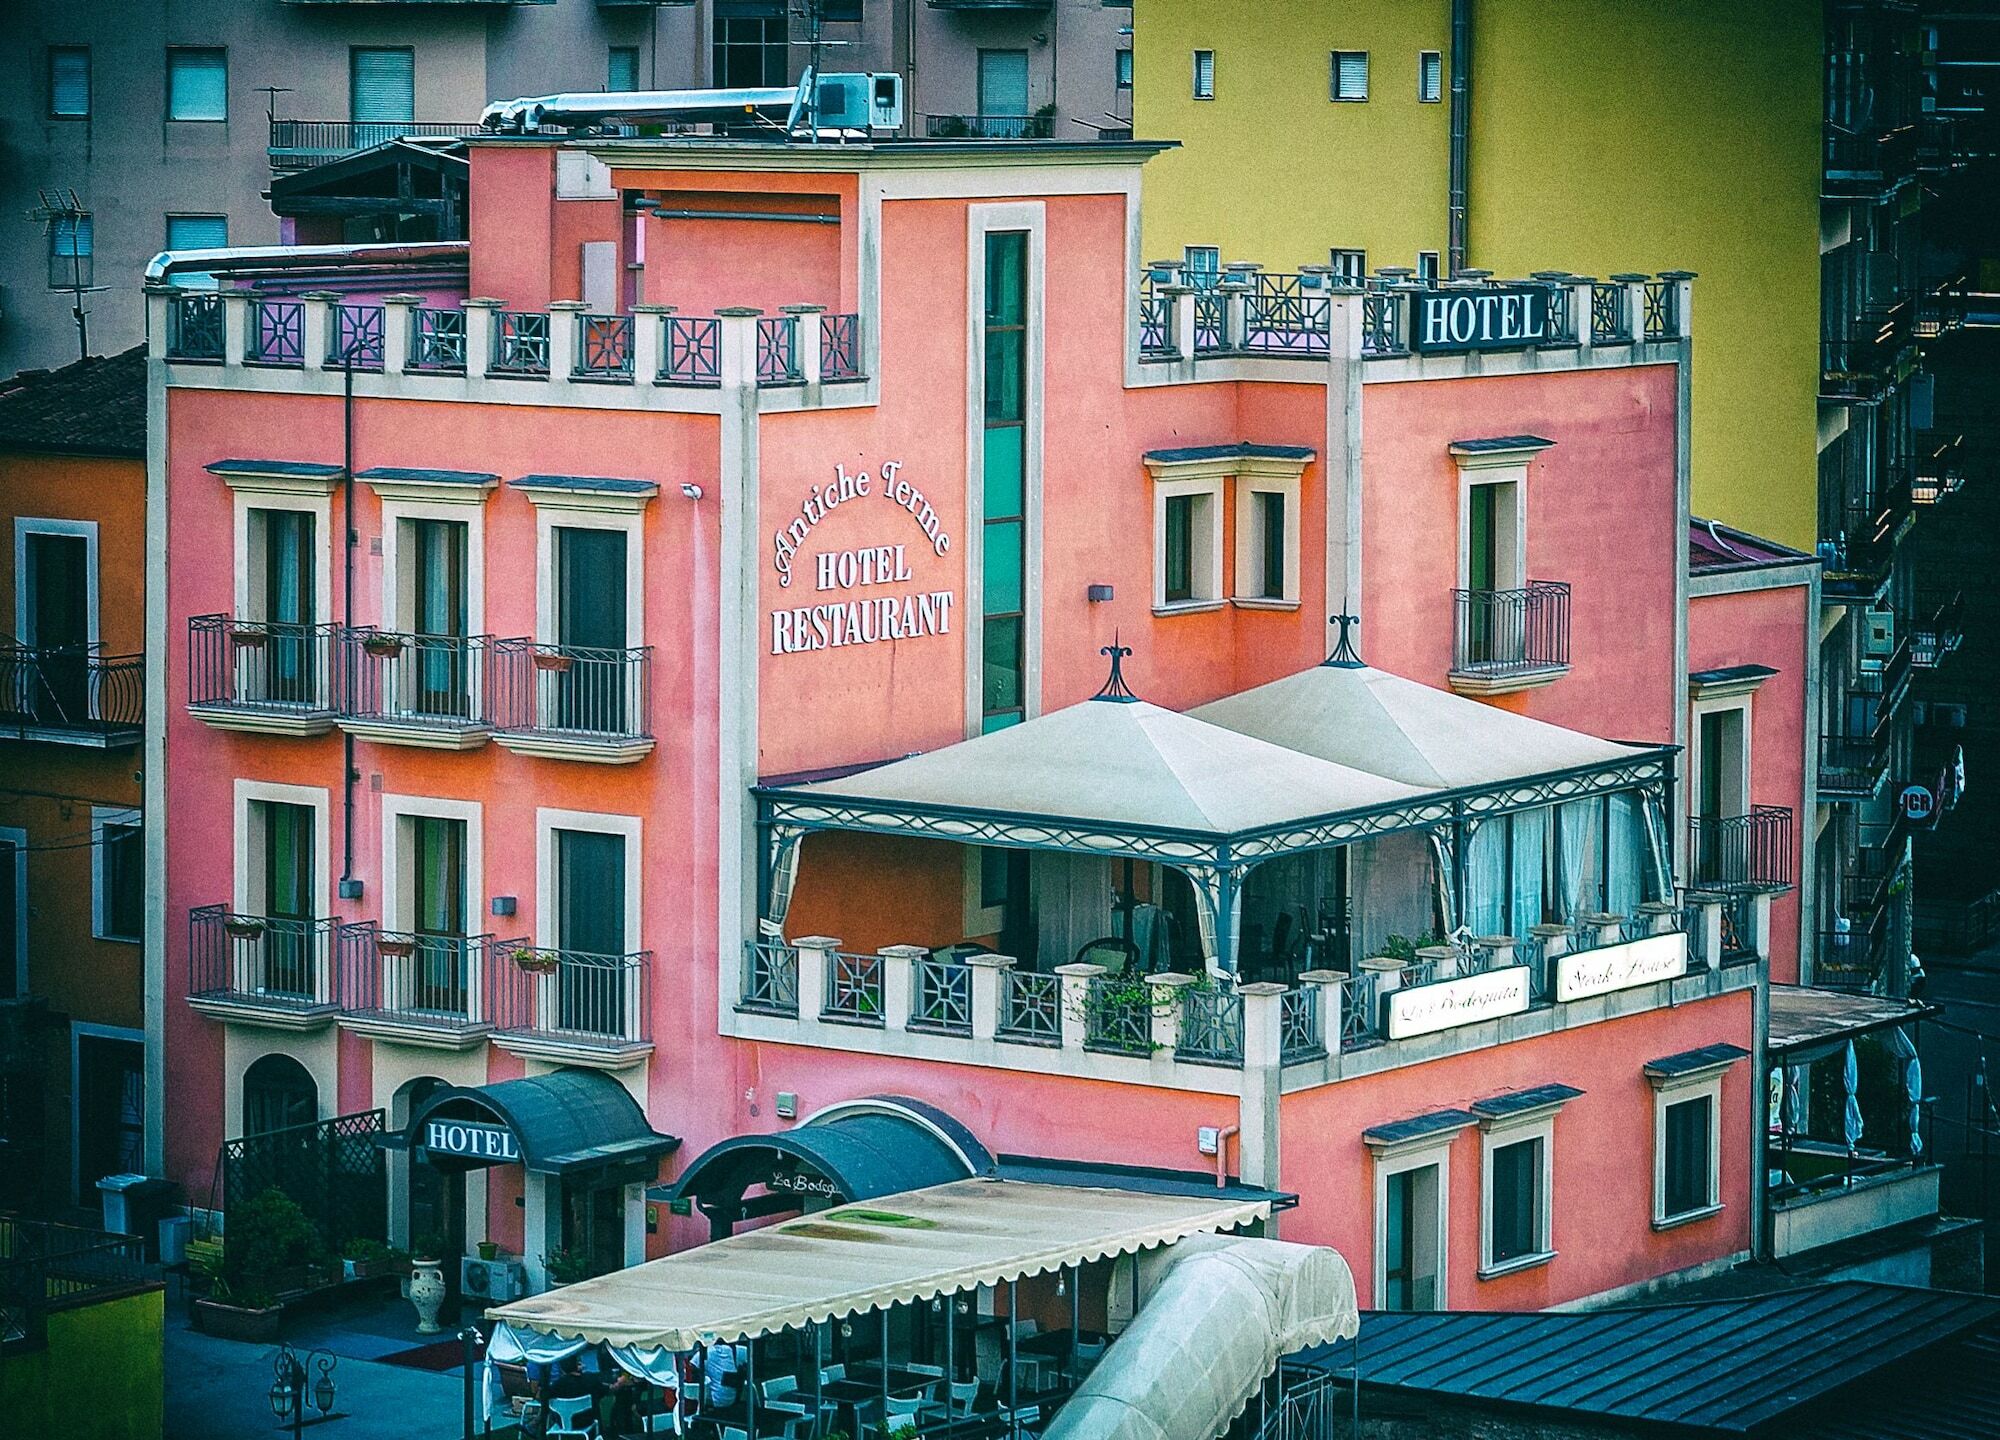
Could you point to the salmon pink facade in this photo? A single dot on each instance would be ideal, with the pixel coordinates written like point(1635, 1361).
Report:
point(649, 700)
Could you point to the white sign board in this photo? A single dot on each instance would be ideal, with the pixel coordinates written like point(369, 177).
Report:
point(1446, 1004)
point(1620, 967)
point(470, 1140)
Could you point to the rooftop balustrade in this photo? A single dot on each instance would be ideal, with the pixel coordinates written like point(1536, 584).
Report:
point(302, 144)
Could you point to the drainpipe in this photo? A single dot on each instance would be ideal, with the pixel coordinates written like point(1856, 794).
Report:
point(347, 771)
point(1461, 127)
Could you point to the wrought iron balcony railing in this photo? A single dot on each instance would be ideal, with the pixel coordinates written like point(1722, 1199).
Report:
point(1302, 1029)
point(990, 127)
point(354, 337)
point(1118, 1015)
point(437, 341)
point(941, 996)
point(777, 350)
point(571, 997)
point(1030, 1007)
point(46, 1266)
point(276, 333)
point(770, 977)
point(194, 326)
point(276, 963)
point(853, 988)
point(520, 344)
point(1867, 161)
point(692, 351)
point(256, 667)
point(839, 347)
point(302, 144)
point(1851, 767)
point(572, 690)
point(1211, 1027)
point(431, 683)
point(413, 980)
point(1940, 634)
point(1741, 852)
point(72, 694)
point(603, 347)
point(1503, 634)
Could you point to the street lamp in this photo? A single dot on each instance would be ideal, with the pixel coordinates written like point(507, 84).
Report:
point(294, 1390)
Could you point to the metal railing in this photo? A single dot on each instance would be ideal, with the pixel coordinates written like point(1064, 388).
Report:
point(603, 347)
point(1118, 1015)
point(1753, 851)
point(1156, 321)
point(261, 666)
point(941, 996)
point(840, 347)
point(692, 354)
point(71, 690)
point(433, 682)
point(770, 977)
point(302, 144)
point(354, 336)
point(577, 997)
point(1932, 639)
point(1287, 315)
point(989, 127)
point(194, 326)
point(1211, 1025)
point(1852, 765)
point(1663, 310)
point(436, 981)
point(282, 962)
point(46, 1266)
point(853, 988)
point(777, 349)
point(520, 343)
point(1610, 313)
point(1301, 1033)
point(1862, 161)
point(1510, 632)
point(1562, 314)
point(1030, 1007)
point(572, 689)
point(1383, 321)
point(437, 341)
point(276, 333)
point(1209, 313)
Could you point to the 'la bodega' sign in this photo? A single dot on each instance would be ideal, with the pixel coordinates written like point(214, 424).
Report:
point(1505, 318)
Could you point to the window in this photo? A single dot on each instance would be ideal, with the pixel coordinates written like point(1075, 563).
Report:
point(1430, 76)
point(1687, 1144)
point(1411, 1203)
point(1350, 75)
point(1427, 264)
point(70, 246)
point(197, 232)
point(1350, 267)
point(13, 913)
point(69, 82)
point(1003, 93)
point(118, 875)
point(1267, 531)
point(621, 68)
point(1203, 265)
point(278, 1094)
point(197, 84)
point(1004, 647)
point(589, 908)
point(1270, 536)
point(1514, 1225)
point(1122, 70)
point(381, 92)
point(1179, 558)
point(1204, 74)
point(841, 12)
point(749, 48)
point(1688, 1174)
point(1187, 542)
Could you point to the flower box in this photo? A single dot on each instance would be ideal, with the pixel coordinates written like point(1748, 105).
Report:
point(553, 664)
point(248, 639)
point(235, 1322)
point(395, 949)
point(243, 927)
point(383, 647)
point(535, 962)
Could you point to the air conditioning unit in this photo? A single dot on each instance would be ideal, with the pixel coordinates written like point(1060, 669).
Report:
point(860, 102)
point(1878, 637)
point(496, 1280)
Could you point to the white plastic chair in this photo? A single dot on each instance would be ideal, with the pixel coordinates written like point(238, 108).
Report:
point(830, 1373)
point(963, 1398)
point(572, 1419)
point(773, 1389)
point(903, 1410)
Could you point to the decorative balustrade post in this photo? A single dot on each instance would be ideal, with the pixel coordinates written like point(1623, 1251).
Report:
point(1345, 305)
point(1263, 1025)
point(315, 327)
point(1443, 960)
point(1661, 916)
point(1263, 1083)
point(159, 319)
point(815, 954)
point(1683, 292)
point(1609, 928)
point(1163, 997)
point(1238, 284)
point(480, 314)
point(1759, 938)
point(738, 346)
point(1327, 986)
point(1500, 947)
point(985, 992)
point(1182, 299)
point(806, 355)
point(562, 337)
point(1075, 1020)
point(235, 326)
point(1708, 908)
point(1388, 973)
point(899, 982)
point(1583, 307)
point(398, 317)
point(1554, 938)
point(1635, 305)
point(649, 327)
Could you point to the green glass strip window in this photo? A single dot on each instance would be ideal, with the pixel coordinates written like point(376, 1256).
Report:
point(1004, 570)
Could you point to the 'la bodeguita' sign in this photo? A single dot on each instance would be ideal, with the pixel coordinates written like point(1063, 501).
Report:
point(1584, 973)
point(1504, 318)
point(469, 1140)
point(1447, 1004)
point(866, 619)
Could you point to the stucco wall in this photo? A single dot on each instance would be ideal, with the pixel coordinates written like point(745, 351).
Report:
point(100, 1377)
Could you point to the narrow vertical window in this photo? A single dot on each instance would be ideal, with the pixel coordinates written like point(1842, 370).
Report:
point(1427, 264)
point(1350, 267)
point(1123, 71)
point(1179, 557)
point(69, 82)
point(621, 69)
point(71, 246)
point(1688, 1180)
point(1003, 698)
point(197, 84)
point(1430, 77)
point(1350, 74)
point(1271, 536)
point(1516, 1227)
point(1204, 74)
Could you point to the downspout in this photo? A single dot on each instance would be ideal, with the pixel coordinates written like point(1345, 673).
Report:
point(1461, 128)
point(347, 771)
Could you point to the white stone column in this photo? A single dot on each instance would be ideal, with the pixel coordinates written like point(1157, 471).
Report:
point(1500, 947)
point(1235, 291)
point(1263, 1077)
point(985, 989)
point(1708, 909)
point(805, 339)
point(1163, 996)
point(479, 321)
point(1635, 304)
point(1182, 299)
point(235, 326)
point(315, 326)
point(1610, 928)
point(159, 302)
point(899, 982)
point(649, 342)
point(1583, 297)
point(1660, 916)
point(1759, 938)
point(398, 316)
point(562, 337)
point(1076, 978)
point(1683, 283)
point(815, 958)
point(1443, 960)
point(1327, 985)
point(737, 346)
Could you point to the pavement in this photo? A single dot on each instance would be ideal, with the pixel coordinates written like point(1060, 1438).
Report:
point(220, 1389)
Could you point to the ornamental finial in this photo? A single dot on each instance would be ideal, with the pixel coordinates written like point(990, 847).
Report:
point(1344, 656)
point(1115, 688)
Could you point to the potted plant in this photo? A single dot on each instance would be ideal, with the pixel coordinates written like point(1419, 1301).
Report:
point(382, 645)
point(552, 661)
point(394, 946)
point(243, 927)
point(364, 1259)
point(566, 1267)
point(533, 961)
point(269, 1239)
point(247, 639)
point(233, 1312)
point(489, 1249)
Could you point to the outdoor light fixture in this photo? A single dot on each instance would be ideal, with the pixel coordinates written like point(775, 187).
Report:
point(292, 1391)
point(503, 905)
point(1097, 594)
point(691, 490)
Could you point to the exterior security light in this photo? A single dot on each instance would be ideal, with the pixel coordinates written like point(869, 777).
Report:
point(691, 490)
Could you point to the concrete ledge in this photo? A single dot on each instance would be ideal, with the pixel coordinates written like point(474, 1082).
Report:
point(1805, 1222)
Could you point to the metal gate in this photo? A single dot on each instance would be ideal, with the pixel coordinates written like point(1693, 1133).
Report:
point(333, 1169)
point(1300, 1404)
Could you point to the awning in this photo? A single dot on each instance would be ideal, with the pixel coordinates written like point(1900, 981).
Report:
point(1807, 1023)
point(893, 1251)
point(554, 1124)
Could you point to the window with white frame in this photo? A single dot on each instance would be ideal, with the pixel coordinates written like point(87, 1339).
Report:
point(1202, 265)
point(1350, 75)
point(1517, 1178)
point(1412, 1223)
point(1430, 77)
point(1267, 539)
point(118, 874)
point(1187, 543)
point(1687, 1142)
point(1350, 267)
point(1204, 74)
point(197, 83)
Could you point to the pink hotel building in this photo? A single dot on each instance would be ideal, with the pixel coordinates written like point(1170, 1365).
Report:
point(679, 745)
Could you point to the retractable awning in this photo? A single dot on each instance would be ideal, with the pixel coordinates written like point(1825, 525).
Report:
point(1808, 1023)
point(891, 1251)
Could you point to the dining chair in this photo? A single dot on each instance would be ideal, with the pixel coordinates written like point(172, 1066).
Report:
point(903, 1410)
point(783, 1385)
point(830, 1373)
point(576, 1416)
point(963, 1398)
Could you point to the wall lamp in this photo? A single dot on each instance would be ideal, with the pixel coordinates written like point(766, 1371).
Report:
point(691, 490)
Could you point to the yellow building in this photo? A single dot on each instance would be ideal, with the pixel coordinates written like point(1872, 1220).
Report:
point(1601, 138)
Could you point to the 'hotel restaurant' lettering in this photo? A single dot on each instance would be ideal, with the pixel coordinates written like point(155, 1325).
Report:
point(864, 621)
point(1481, 319)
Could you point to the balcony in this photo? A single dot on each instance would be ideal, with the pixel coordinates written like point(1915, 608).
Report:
point(1939, 469)
point(1859, 361)
point(1867, 164)
point(1852, 767)
point(1940, 634)
point(1019, 7)
point(401, 688)
point(1859, 545)
point(264, 677)
point(72, 695)
point(417, 989)
point(267, 970)
point(573, 702)
point(302, 144)
point(989, 127)
point(1741, 852)
point(571, 1007)
point(1507, 640)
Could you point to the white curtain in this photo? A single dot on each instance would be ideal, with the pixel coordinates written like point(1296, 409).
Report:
point(520, 1346)
point(1486, 877)
point(785, 841)
point(1625, 855)
point(1391, 888)
point(1071, 896)
point(1582, 854)
point(1530, 870)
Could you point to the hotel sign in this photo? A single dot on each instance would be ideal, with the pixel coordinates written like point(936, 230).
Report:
point(1620, 967)
point(470, 1140)
point(847, 618)
point(1447, 1004)
point(1504, 318)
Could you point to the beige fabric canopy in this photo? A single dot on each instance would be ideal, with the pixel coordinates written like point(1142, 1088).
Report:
point(1384, 725)
point(890, 1251)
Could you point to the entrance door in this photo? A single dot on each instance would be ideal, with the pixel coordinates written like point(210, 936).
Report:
point(1003, 93)
point(278, 1094)
point(58, 626)
point(438, 616)
point(591, 931)
point(590, 626)
point(110, 1111)
point(290, 938)
point(593, 1225)
point(1410, 1240)
point(437, 849)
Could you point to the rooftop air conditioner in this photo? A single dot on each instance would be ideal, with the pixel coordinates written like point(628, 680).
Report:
point(860, 102)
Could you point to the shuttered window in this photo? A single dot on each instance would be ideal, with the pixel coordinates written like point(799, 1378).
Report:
point(1124, 69)
point(621, 69)
point(196, 232)
point(197, 84)
point(382, 85)
point(1350, 74)
point(70, 246)
point(69, 81)
point(1430, 77)
point(1204, 74)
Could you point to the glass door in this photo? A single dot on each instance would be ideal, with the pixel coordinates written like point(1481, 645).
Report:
point(438, 912)
point(1410, 1237)
point(590, 921)
point(438, 616)
point(290, 936)
point(59, 594)
point(290, 595)
point(590, 628)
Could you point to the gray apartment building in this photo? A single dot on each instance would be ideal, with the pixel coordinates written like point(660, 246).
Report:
point(167, 119)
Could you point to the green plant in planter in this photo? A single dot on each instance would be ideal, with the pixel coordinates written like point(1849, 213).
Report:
point(430, 1246)
point(904, 1431)
point(243, 1297)
point(269, 1235)
point(1403, 950)
point(566, 1267)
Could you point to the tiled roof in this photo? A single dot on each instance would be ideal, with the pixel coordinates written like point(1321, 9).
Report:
point(1520, 1102)
point(87, 407)
point(1498, 444)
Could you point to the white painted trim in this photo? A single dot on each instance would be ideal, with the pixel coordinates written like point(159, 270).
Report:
point(1536, 1125)
point(1516, 475)
point(249, 568)
point(101, 816)
point(246, 891)
point(1204, 543)
point(1697, 708)
point(78, 1030)
point(1703, 1085)
point(18, 837)
point(1433, 1152)
point(24, 609)
point(397, 877)
point(547, 822)
point(1250, 538)
point(467, 512)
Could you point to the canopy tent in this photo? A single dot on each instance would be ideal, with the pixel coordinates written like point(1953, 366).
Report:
point(894, 1251)
point(1809, 1024)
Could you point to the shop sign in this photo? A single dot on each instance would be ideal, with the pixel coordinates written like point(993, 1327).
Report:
point(1447, 1004)
point(1917, 802)
point(1504, 318)
point(802, 1182)
point(1619, 967)
point(469, 1140)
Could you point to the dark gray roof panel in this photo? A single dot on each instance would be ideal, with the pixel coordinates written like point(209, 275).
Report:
point(420, 476)
point(1240, 450)
point(1687, 1062)
point(1142, 1179)
point(1516, 1102)
point(1730, 672)
point(591, 484)
point(1437, 1122)
point(1488, 444)
point(303, 469)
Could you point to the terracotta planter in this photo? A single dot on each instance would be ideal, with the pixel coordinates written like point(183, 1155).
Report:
point(383, 647)
point(533, 962)
point(243, 929)
point(396, 949)
point(233, 1322)
point(554, 664)
point(248, 639)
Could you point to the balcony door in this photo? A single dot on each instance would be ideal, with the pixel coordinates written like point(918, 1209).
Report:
point(1722, 789)
point(1412, 1245)
point(1495, 632)
point(590, 693)
point(1003, 92)
point(437, 910)
point(290, 938)
point(590, 930)
point(57, 625)
point(289, 573)
point(438, 613)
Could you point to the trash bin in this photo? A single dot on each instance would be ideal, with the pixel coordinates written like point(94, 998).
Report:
point(117, 1191)
point(175, 1232)
point(135, 1205)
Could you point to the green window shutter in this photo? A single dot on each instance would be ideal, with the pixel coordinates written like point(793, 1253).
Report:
point(382, 85)
point(69, 81)
point(197, 84)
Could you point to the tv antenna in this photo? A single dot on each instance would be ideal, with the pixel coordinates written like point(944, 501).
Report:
point(813, 12)
point(60, 208)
